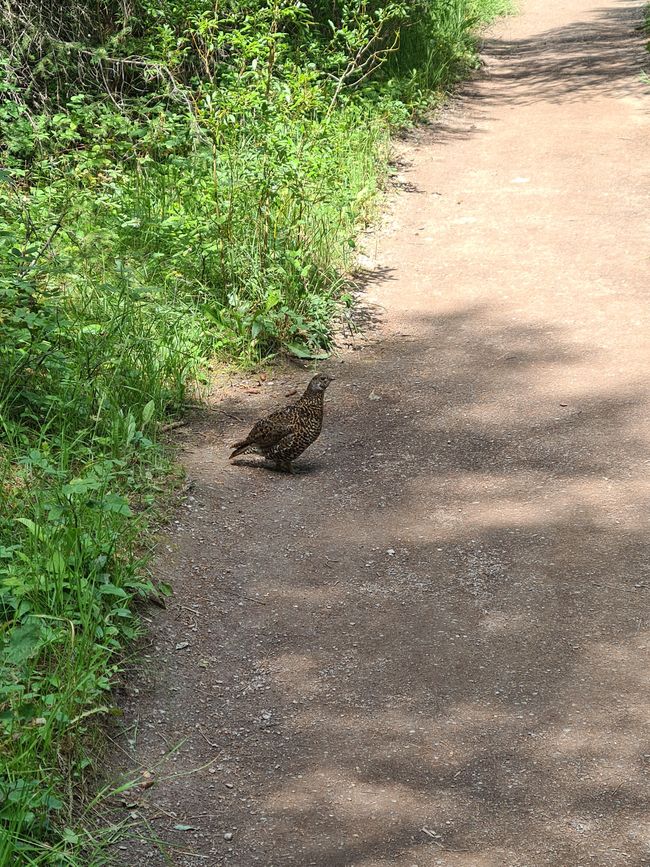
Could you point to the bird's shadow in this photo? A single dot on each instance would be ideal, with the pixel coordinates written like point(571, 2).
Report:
point(302, 469)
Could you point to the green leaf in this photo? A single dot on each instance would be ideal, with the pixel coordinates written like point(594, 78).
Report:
point(52, 802)
point(24, 642)
point(116, 504)
point(130, 429)
point(302, 351)
point(147, 412)
point(112, 590)
point(79, 486)
point(273, 298)
point(57, 563)
point(213, 314)
point(33, 528)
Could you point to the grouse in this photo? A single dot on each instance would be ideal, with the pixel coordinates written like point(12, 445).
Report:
point(286, 433)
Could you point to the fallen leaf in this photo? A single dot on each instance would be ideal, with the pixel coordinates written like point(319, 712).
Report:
point(147, 784)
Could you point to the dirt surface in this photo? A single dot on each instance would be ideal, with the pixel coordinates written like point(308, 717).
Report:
point(431, 647)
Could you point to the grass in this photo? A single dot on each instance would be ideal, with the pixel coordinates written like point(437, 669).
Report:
point(87, 369)
point(149, 222)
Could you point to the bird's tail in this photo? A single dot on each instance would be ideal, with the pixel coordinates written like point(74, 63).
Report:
point(239, 448)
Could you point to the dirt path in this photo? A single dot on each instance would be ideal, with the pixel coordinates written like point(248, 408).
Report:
point(451, 663)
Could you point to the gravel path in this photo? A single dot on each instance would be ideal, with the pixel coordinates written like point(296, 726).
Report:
point(431, 647)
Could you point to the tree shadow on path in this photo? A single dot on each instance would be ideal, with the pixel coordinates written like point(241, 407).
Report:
point(450, 664)
point(580, 61)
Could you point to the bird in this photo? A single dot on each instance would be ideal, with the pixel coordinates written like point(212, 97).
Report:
point(286, 433)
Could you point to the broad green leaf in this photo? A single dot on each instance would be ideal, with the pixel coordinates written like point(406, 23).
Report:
point(147, 412)
point(112, 590)
point(302, 351)
point(76, 487)
point(116, 504)
point(33, 528)
point(24, 642)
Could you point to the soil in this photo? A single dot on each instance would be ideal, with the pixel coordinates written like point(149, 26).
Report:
point(431, 646)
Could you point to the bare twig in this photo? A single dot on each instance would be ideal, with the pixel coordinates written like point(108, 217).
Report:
point(367, 59)
point(213, 409)
point(208, 742)
point(48, 242)
point(240, 595)
point(172, 425)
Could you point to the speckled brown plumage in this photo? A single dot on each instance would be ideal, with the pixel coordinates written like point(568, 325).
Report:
point(286, 433)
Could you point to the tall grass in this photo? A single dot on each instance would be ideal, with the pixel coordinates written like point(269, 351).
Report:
point(89, 369)
point(193, 187)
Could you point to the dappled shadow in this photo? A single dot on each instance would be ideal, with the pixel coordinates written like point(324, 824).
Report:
point(448, 664)
point(582, 60)
point(363, 318)
point(431, 647)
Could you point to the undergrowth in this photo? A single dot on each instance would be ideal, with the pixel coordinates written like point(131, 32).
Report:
point(180, 179)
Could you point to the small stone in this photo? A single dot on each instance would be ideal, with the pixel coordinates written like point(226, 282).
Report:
point(227, 836)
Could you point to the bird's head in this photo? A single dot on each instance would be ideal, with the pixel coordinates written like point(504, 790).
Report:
point(319, 382)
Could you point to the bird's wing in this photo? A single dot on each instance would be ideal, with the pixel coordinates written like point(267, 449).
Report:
point(281, 447)
point(268, 431)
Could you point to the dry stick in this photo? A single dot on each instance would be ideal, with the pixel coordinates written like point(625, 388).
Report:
point(196, 816)
point(213, 409)
point(240, 595)
point(121, 748)
point(179, 774)
point(163, 812)
point(356, 65)
point(172, 425)
point(48, 242)
point(208, 742)
point(158, 843)
point(159, 70)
